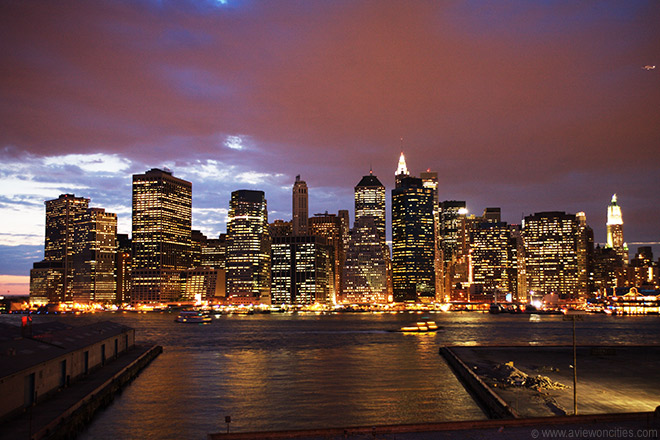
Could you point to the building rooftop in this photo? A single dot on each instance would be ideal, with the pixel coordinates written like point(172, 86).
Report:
point(48, 341)
point(369, 181)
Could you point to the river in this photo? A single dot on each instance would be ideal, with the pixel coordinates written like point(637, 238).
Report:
point(281, 371)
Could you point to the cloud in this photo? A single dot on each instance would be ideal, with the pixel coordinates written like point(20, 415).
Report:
point(90, 163)
point(525, 105)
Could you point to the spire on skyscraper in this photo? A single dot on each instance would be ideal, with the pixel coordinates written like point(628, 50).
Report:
point(402, 169)
point(615, 229)
point(614, 212)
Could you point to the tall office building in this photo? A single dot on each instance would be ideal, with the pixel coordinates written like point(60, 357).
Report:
point(248, 248)
point(585, 256)
point(124, 268)
point(94, 279)
point(331, 228)
point(301, 270)
point(300, 210)
point(214, 252)
point(365, 268)
point(452, 217)
point(413, 241)
point(493, 258)
point(197, 243)
point(53, 277)
point(551, 253)
point(452, 220)
point(162, 218)
point(370, 202)
point(615, 230)
point(430, 180)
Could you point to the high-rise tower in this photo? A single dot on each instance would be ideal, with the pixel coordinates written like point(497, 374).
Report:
point(430, 180)
point(60, 236)
point(370, 202)
point(331, 227)
point(300, 211)
point(248, 248)
point(94, 278)
point(413, 244)
point(615, 229)
point(551, 253)
point(162, 218)
point(365, 269)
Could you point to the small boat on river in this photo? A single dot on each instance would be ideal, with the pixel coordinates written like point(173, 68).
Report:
point(420, 327)
point(193, 317)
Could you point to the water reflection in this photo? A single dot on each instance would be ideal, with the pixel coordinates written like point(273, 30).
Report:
point(274, 372)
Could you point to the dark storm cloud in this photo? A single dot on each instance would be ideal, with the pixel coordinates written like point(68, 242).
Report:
point(529, 106)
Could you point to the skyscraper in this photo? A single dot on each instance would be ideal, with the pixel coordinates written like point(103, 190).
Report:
point(615, 230)
point(301, 270)
point(365, 268)
point(124, 268)
point(300, 210)
point(413, 241)
point(162, 218)
point(452, 218)
point(585, 255)
point(248, 248)
point(94, 278)
point(551, 253)
point(331, 228)
point(493, 253)
point(59, 245)
point(430, 180)
point(370, 202)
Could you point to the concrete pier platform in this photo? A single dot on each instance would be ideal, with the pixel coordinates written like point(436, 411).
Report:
point(62, 415)
point(610, 379)
point(618, 393)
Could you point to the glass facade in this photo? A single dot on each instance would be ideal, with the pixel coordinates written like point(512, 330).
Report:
point(551, 253)
point(94, 259)
point(413, 241)
point(301, 269)
point(248, 247)
point(162, 218)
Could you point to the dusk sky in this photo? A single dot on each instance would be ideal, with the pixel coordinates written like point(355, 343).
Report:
point(527, 106)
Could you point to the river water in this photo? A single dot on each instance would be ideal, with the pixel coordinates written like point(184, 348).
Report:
point(280, 371)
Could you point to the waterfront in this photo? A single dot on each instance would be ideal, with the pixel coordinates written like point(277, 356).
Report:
point(301, 371)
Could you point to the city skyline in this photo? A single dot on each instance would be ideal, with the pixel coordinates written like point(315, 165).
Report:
point(527, 107)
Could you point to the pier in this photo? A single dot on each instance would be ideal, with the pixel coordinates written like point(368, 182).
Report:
point(67, 412)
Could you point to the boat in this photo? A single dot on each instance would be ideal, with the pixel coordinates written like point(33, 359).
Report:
point(192, 317)
point(420, 327)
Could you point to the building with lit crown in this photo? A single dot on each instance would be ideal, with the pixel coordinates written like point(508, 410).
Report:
point(162, 218)
point(615, 230)
point(248, 248)
point(413, 240)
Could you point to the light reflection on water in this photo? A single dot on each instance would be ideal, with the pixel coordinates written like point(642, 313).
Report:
point(272, 372)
